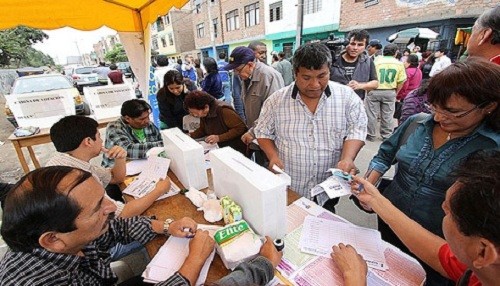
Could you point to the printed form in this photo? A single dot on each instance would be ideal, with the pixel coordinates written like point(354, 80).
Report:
point(318, 236)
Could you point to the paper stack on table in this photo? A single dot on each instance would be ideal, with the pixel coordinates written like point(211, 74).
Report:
point(169, 260)
point(155, 169)
point(318, 236)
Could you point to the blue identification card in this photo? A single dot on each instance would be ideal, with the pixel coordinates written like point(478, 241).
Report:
point(340, 174)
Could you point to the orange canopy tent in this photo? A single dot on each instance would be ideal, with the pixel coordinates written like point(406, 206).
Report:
point(131, 18)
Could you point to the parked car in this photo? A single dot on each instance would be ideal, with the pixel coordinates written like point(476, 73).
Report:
point(125, 68)
point(45, 82)
point(83, 76)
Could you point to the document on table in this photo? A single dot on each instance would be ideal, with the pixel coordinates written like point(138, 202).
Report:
point(170, 258)
point(155, 169)
point(135, 167)
point(319, 235)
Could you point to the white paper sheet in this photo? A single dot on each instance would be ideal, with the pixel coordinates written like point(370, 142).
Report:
point(135, 167)
point(206, 151)
point(156, 168)
point(319, 235)
point(170, 258)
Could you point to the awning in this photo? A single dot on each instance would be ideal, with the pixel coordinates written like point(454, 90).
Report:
point(131, 18)
point(404, 36)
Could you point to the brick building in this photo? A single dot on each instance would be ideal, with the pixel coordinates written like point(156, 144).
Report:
point(385, 17)
point(233, 23)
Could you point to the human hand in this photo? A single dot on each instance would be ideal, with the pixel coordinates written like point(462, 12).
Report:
point(347, 165)
point(201, 245)
point(366, 193)
point(350, 263)
point(354, 85)
point(184, 227)
point(247, 138)
point(276, 161)
point(269, 251)
point(212, 139)
point(115, 152)
point(163, 186)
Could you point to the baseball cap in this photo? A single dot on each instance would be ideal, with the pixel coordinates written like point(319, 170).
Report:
point(375, 43)
point(240, 56)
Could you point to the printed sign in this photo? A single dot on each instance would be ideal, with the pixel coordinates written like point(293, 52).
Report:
point(41, 109)
point(106, 101)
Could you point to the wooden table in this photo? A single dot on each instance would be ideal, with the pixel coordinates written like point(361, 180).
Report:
point(43, 137)
point(179, 206)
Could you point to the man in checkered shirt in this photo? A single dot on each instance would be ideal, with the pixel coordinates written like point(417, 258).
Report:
point(133, 132)
point(312, 125)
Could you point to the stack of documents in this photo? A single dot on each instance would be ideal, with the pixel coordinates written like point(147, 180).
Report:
point(169, 260)
point(319, 235)
point(155, 169)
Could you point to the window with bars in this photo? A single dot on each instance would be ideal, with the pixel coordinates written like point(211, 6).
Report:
point(233, 20)
point(275, 11)
point(170, 39)
point(160, 26)
point(312, 6)
point(200, 30)
point(167, 19)
point(163, 42)
point(214, 24)
point(252, 14)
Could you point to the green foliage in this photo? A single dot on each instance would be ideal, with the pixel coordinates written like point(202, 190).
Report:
point(16, 45)
point(117, 54)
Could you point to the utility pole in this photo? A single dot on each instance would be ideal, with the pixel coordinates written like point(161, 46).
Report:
point(211, 28)
point(300, 17)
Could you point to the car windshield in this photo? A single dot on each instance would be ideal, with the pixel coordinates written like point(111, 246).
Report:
point(123, 65)
point(85, 70)
point(43, 83)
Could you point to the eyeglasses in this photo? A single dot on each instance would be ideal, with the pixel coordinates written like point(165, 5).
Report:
point(448, 114)
point(238, 71)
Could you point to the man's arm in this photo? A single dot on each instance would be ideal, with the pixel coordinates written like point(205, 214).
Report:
point(138, 206)
point(419, 241)
point(119, 170)
point(349, 152)
point(268, 146)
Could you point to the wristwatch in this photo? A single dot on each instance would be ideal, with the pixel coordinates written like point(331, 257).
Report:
point(166, 225)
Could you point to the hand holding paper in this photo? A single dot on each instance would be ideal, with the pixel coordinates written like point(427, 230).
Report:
point(367, 193)
point(351, 264)
point(178, 227)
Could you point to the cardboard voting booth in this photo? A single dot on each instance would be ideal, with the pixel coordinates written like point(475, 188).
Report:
point(106, 101)
point(187, 158)
point(41, 109)
point(260, 193)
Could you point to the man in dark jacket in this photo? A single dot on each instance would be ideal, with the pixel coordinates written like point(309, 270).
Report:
point(354, 67)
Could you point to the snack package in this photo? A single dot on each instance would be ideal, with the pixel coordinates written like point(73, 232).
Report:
point(231, 212)
point(237, 243)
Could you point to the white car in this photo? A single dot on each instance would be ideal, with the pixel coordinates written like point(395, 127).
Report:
point(83, 76)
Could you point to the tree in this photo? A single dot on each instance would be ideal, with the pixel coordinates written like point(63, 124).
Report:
point(117, 54)
point(16, 45)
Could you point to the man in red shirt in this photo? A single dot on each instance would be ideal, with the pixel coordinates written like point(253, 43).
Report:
point(485, 38)
point(470, 255)
point(115, 75)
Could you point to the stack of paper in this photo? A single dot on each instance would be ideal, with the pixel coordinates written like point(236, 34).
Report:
point(319, 235)
point(169, 260)
point(155, 169)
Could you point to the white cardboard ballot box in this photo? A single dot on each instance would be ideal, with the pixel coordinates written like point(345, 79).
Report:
point(187, 158)
point(260, 193)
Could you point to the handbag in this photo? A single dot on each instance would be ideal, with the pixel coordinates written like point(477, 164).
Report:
point(397, 110)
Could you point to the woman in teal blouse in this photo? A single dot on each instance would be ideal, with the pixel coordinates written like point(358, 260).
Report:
point(464, 100)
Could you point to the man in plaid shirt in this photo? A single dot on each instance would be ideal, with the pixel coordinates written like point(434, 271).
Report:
point(134, 131)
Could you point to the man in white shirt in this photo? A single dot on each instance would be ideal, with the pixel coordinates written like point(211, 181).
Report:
point(442, 62)
point(312, 125)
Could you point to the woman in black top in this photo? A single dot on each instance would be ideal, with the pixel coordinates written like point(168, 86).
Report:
point(171, 99)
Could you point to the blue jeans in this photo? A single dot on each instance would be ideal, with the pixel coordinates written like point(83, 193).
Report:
point(226, 88)
point(121, 250)
point(238, 103)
